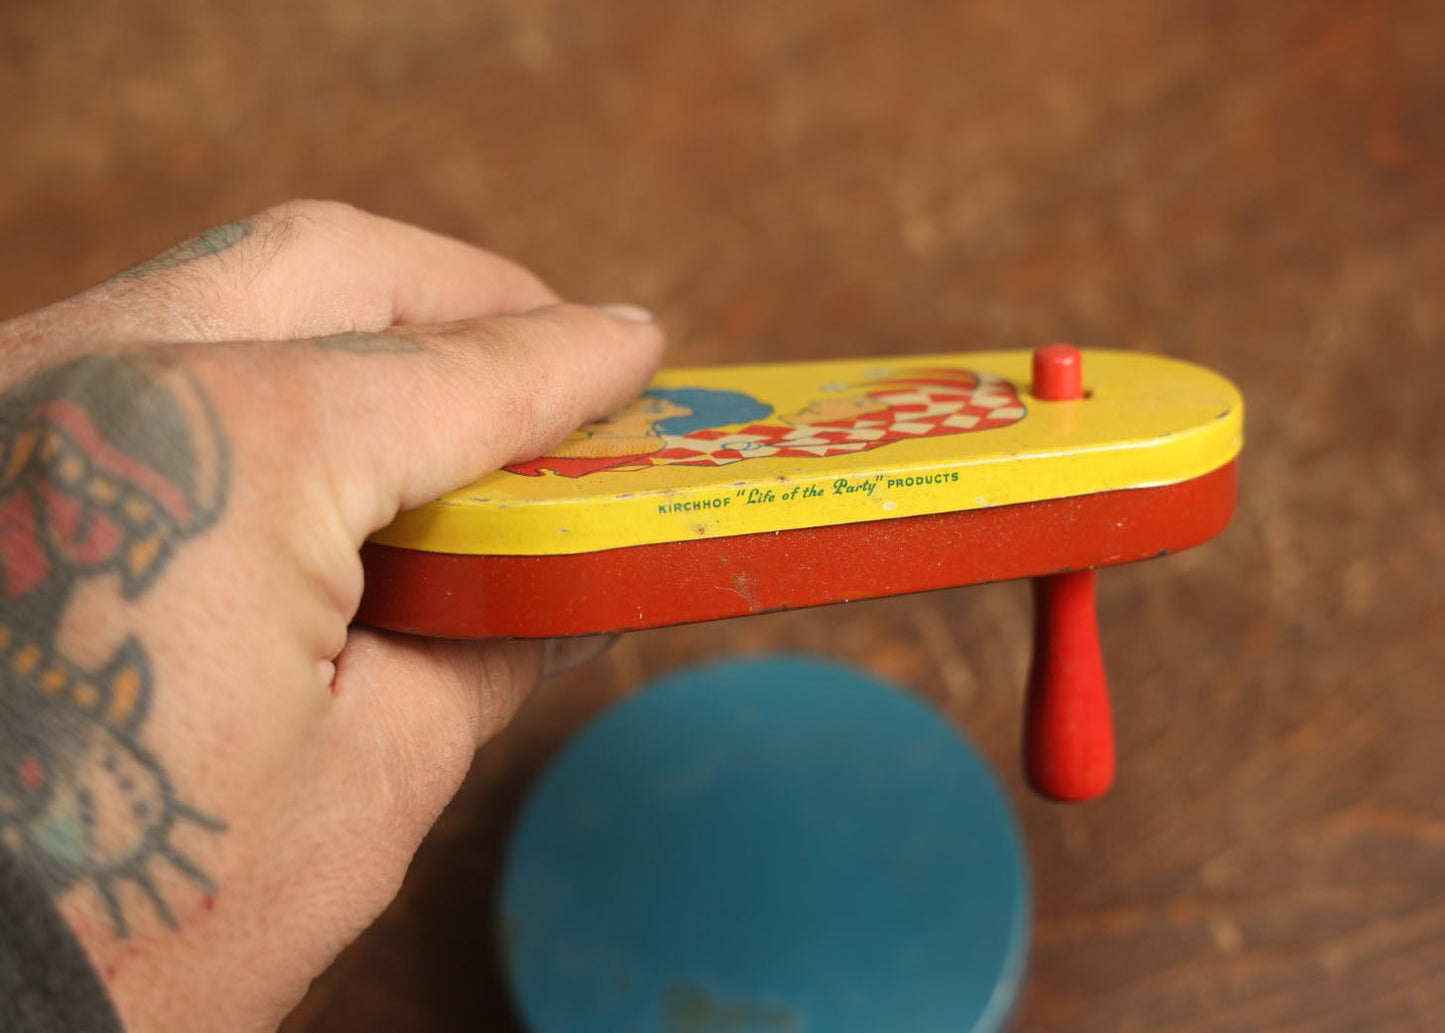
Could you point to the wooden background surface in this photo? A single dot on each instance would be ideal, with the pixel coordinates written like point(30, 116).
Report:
point(1258, 187)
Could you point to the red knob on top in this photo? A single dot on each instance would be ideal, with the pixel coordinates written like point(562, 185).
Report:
point(1058, 373)
point(1068, 726)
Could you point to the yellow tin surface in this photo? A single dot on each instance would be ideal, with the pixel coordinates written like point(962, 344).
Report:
point(730, 450)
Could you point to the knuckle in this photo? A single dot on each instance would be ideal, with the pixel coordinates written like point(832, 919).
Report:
point(481, 359)
point(519, 403)
point(311, 214)
point(335, 225)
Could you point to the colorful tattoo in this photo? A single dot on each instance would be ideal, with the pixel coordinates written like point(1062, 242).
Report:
point(106, 466)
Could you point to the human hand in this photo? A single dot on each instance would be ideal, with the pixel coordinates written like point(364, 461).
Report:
point(218, 780)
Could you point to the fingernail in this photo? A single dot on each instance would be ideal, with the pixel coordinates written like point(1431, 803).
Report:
point(561, 655)
point(631, 313)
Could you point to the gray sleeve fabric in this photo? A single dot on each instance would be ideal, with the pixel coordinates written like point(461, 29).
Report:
point(46, 982)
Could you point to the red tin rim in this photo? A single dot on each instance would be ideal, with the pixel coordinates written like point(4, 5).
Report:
point(650, 586)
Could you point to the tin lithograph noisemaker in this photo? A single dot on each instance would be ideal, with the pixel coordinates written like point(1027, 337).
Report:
point(737, 490)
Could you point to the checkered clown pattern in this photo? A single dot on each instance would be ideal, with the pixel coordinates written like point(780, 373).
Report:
point(927, 404)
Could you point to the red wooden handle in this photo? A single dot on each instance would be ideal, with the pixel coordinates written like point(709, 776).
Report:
point(1068, 727)
point(1068, 730)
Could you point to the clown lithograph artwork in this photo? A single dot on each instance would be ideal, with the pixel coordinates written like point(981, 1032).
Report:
point(695, 426)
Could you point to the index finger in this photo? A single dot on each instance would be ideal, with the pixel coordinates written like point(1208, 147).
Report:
point(301, 269)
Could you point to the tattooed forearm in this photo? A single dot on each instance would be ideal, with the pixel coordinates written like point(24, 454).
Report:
point(106, 467)
point(213, 241)
point(367, 344)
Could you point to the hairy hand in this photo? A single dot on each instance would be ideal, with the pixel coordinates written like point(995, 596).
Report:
point(219, 780)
